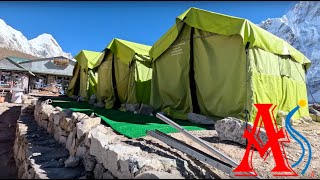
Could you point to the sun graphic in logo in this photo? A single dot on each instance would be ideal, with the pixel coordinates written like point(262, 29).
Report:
point(302, 103)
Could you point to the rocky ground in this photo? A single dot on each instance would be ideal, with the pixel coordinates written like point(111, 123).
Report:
point(236, 151)
point(187, 166)
point(9, 113)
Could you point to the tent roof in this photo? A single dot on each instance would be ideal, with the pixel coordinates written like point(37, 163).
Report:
point(227, 25)
point(90, 59)
point(126, 50)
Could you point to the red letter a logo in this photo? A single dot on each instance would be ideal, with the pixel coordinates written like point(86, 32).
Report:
point(275, 139)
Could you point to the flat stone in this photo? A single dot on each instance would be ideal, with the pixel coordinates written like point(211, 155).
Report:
point(50, 127)
point(107, 175)
point(98, 171)
point(56, 117)
point(100, 104)
point(88, 161)
point(200, 119)
point(232, 129)
point(116, 152)
point(80, 151)
point(85, 125)
point(132, 107)
point(146, 110)
point(158, 175)
point(100, 141)
point(63, 140)
point(57, 108)
point(72, 161)
point(69, 140)
point(77, 116)
point(61, 173)
point(57, 133)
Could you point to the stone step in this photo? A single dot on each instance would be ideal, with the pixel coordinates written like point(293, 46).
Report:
point(39, 155)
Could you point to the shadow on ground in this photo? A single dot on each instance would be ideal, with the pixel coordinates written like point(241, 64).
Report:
point(8, 121)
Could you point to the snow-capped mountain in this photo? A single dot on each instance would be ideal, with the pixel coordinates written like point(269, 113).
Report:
point(300, 27)
point(42, 46)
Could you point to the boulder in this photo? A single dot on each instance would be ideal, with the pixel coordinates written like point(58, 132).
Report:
point(232, 129)
point(146, 110)
point(132, 107)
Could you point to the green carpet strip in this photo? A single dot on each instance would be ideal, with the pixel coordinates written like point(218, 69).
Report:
point(126, 123)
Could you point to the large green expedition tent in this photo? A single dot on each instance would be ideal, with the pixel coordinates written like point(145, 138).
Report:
point(124, 76)
point(200, 65)
point(84, 79)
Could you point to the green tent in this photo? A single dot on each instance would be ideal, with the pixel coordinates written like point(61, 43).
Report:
point(200, 65)
point(124, 75)
point(84, 80)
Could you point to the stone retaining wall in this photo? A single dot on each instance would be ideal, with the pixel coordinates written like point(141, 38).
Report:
point(85, 142)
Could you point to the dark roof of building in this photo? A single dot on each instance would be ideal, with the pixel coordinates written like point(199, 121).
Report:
point(41, 66)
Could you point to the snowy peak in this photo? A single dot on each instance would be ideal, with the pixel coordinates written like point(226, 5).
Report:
point(300, 27)
point(42, 46)
point(46, 46)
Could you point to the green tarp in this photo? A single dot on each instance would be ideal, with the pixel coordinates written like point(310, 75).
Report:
point(126, 123)
point(200, 65)
point(124, 74)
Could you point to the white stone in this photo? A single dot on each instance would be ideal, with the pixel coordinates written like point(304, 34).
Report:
point(57, 108)
point(116, 152)
point(232, 129)
point(86, 125)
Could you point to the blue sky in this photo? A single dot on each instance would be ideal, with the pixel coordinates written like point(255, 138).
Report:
point(92, 25)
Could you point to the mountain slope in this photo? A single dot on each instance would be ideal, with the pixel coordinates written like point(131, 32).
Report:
point(42, 46)
point(300, 27)
point(7, 52)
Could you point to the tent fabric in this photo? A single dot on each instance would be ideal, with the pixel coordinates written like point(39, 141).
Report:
point(227, 81)
point(280, 81)
point(126, 50)
point(132, 74)
point(86, 61)
point(227, 25)
point(73, 85)
point(92, 82)
point(89, 59)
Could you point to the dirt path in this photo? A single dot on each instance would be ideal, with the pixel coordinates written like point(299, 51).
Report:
point(9, 114)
